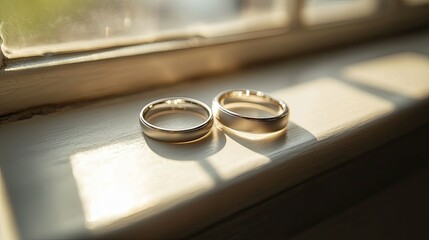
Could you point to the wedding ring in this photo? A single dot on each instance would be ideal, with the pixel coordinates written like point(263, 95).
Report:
point(172, 105)
point(227, 108)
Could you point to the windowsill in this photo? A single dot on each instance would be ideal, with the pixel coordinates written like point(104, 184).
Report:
point(90, 170)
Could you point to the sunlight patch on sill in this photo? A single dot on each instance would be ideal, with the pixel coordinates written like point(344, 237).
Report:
point(328, 106)
point(137, 178)
point(7, 220)
point(406, 74)
point(117, 181)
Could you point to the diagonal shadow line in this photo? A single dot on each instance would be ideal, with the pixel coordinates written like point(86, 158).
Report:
point(391, 96)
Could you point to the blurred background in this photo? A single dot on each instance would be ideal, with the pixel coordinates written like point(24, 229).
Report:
point(28, 25)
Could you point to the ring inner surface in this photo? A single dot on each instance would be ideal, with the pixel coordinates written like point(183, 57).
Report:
point(175, 114)
point(249, 104)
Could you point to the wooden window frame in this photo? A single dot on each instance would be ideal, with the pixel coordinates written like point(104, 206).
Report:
point(64, 79)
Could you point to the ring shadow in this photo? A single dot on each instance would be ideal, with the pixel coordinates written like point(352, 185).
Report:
point(271, 143)
point(201, 148)
point(198, 150)
point(262, 143)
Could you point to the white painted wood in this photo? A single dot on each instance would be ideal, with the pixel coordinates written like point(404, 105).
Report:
point(89, 170)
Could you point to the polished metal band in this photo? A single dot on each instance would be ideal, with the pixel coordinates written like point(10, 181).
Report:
point(173, 104)
point(225, 102)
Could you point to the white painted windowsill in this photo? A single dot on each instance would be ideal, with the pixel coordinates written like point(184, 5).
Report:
point(89, 170)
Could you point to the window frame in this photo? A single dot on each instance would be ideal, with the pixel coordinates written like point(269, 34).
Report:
point(71, 78)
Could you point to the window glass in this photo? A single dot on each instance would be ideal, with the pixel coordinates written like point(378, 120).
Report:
point(40, 26)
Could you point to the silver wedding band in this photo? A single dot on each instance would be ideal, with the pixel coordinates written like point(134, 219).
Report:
point(176, 135)
point(225, 103)
point(226, 109)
